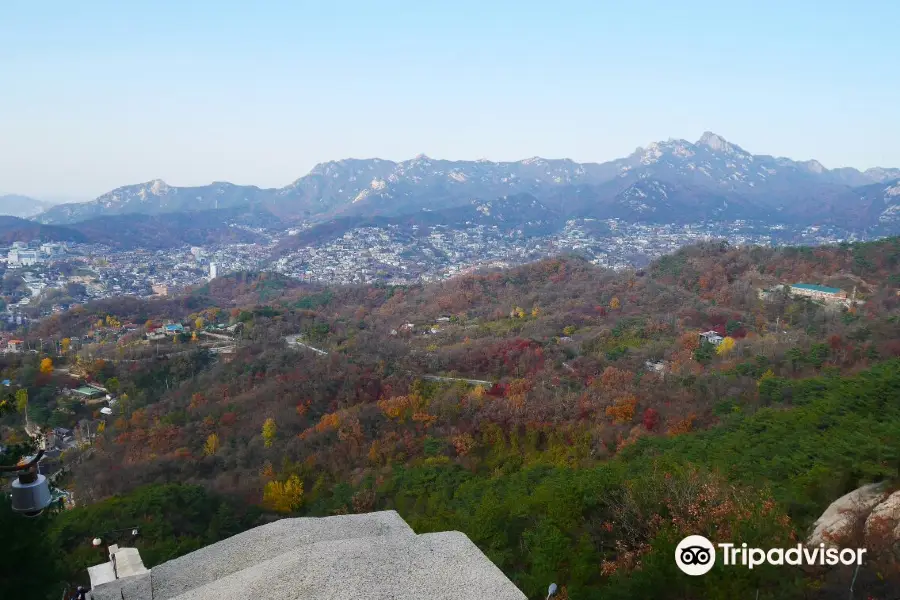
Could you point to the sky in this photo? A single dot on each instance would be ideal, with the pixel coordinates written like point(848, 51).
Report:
point(98, 94)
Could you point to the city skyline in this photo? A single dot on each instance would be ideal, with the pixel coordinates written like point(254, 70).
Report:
point(106, 96)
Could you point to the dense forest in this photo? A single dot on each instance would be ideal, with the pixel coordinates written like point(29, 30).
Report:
point(589, 427)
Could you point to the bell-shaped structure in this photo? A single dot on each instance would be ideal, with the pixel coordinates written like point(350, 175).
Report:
point(30, 494)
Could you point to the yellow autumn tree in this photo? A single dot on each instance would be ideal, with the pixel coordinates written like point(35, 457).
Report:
point(622, 411)
point(725, 346)
point(64, 345)
point(284, 496)
point(535, 312)
point(22, 400)
point(199, 323)
point(769, 374)
point(614, 303)
point(212, 445)
point(268, 432)
point(47, 366)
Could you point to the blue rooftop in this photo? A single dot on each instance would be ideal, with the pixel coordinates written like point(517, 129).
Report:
point(816, 288)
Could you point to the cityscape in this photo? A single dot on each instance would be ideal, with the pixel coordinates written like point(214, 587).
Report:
point(46, 278)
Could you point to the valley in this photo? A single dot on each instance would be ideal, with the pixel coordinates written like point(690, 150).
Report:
point(548, 406)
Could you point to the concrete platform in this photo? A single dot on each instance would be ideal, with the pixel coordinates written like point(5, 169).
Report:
point(373, 555)
point(436, 566)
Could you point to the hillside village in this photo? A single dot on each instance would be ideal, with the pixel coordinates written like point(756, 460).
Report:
point(255, 384)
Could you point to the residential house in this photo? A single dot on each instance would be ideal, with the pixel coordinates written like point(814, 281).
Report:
point(174, 328)
point(711, 337)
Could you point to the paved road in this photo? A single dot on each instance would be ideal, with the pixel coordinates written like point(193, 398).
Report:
point(226, 349)
point(294, 340)
point(469, 381)
point(219, 336)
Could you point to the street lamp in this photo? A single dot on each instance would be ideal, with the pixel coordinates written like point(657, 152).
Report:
point(99, 539)
point(31, 490)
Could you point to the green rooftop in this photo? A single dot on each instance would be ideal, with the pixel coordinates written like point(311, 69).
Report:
point(87, 391)
point(816, 288)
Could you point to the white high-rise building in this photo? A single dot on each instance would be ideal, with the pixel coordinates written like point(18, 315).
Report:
point(213, 271)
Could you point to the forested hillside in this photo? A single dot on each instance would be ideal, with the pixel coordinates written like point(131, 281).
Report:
point(590, 428)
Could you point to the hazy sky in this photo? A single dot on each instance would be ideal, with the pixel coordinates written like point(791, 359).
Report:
point(97, 94)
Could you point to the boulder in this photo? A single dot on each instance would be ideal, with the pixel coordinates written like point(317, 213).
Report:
point(844, 512)
point(884, 520)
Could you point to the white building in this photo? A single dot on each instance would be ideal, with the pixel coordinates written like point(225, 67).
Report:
point(711, 337)
point(818, 292)
point(213, 271)
point(53, 249)
point(22, 257)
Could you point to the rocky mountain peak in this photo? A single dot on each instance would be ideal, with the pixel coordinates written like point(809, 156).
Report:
point(815, 166)
point(717, 143)
point(157, 187)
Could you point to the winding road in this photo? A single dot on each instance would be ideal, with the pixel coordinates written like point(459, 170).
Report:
point(294, 342)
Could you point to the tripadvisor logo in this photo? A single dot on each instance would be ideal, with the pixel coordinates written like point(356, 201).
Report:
point(696, 555)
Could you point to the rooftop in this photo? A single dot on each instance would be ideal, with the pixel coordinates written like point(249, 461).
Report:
point(86, 390)
point(816, 288)
point(373, 555)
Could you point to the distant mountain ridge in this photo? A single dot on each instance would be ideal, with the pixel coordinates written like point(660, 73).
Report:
point(15, 205)
point(150, 232)
point(669, 181)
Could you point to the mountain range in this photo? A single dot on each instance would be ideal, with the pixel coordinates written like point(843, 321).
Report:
point(15, 205)
point(151, 232)
point(672, 181)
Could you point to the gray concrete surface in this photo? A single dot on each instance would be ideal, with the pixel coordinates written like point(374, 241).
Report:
point(436, 566)
point(137, 587)
point(263, 543)
point(373, 555)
